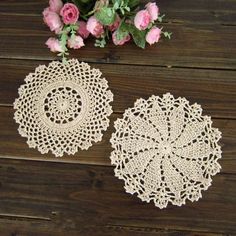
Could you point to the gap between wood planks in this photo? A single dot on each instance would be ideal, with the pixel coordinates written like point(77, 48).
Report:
point(208, 46)
point(70, 161)
point(157, 230)
point(120, 64)
point(115, 227)
point(23, 217)
point(105, 230)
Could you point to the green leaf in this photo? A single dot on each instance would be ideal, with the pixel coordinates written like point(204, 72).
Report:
point(105, 15)
point(127, 8)
point(167, 34)
point(100, 42)
point(116, 1)
point(133, 3)
point(139, 37)
point(122, 31)
point(160, 18)
point(64, 60)
point(116, 6)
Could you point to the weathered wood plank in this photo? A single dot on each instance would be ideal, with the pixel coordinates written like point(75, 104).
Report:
point(18, 226)
point(180, 12)
point(23, 7)
point(14, 146)
point(48, 198)
point(215, 90)
point(82, 196)
point(201, 46)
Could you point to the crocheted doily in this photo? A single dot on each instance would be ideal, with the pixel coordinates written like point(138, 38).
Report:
point(63, 107)
point(165, 150)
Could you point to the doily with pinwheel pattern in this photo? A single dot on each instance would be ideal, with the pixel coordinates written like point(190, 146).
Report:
point(165, 150)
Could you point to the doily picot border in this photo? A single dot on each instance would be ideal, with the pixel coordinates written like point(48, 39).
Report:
point(127, 112)
point(29, 78)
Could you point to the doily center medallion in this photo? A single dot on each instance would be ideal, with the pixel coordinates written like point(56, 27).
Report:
point(63, 107)
point(165, 150)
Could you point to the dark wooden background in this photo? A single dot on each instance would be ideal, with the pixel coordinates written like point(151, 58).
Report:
point(79, 195)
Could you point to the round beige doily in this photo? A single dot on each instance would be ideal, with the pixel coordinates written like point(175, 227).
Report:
point(165, 150)
point(63, 107)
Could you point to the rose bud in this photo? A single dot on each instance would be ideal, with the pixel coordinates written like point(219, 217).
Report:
point(54, 45)
point(95, 27)
point(69, 13)
point(153, 35)
point(153, 10)
point(55, 5)
point(142, 19)
point(82, 30)
point(75, 42)
point(114, 26)
point(52, 20)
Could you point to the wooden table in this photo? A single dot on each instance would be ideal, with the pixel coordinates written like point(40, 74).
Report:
point(79, 195)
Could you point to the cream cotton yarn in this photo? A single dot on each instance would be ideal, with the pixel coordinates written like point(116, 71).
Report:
point(165, 150)
point(63, 107)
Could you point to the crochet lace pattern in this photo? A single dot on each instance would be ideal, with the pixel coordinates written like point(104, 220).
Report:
point(165, 150)
point(63, 107)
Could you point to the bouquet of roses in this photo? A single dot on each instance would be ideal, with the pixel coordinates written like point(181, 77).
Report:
point(121, 20)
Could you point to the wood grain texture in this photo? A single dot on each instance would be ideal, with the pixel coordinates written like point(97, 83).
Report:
point(179, 12)
point(77, 197)
point(17, 226)
point(14, 146)
point(215, 90)
point(195, 45)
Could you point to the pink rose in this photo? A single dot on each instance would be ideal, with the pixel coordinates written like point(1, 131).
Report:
point(121, 41)
point(153, 35)
point(55, 5)
point(69, 13)
point(95, 27)
point(75, 42)
point(54, 45)
point(153, 10)
point(115, 25)
point(52, 20)
point(82, 31)
point(142, 19)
